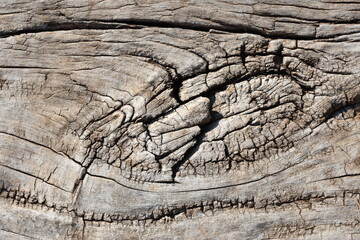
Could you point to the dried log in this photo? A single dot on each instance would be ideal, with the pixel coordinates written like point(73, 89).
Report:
point(179, 119)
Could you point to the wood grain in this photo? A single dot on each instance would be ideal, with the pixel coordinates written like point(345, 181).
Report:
point(179, 119)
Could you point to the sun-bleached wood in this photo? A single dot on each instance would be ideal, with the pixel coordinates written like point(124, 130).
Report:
point(179, 119)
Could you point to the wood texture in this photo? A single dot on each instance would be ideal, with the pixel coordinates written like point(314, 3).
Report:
point(179, 119)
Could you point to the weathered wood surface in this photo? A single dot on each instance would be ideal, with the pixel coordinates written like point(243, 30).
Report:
point(179, 119)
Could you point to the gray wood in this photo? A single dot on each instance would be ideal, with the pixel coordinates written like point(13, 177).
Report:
point(179, 119)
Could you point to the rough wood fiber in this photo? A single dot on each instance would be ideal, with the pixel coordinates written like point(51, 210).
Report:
point(179, 119)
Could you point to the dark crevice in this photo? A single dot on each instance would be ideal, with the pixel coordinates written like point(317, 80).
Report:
point(24, 67)
point(337, 112)
point(66, 26)
point(176, 84)
point(143, 23)
point(170, 213)
point(339, 177)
